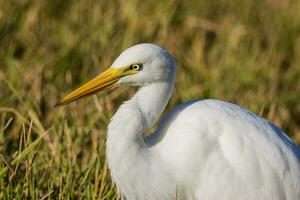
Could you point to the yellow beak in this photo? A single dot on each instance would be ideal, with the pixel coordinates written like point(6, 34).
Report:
point(103, 81)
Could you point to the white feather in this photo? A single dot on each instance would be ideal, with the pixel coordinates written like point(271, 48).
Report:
point(205, 149)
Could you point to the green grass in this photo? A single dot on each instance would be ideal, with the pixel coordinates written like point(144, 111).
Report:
point(244, 52)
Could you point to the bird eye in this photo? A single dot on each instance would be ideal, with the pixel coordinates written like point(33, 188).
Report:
point(136, 67)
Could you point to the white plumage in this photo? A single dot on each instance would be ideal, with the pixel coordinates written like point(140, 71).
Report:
point(202, 149)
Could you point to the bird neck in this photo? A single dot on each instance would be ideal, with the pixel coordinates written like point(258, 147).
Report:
point(150, 101)
point(126, 150)
point(137, 115)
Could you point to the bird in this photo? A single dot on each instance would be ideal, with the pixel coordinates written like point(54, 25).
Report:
point(202, 149)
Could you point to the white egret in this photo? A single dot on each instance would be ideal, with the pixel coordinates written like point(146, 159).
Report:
point(202, 149)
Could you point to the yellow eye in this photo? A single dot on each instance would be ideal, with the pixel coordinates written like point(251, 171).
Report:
point(136, 67)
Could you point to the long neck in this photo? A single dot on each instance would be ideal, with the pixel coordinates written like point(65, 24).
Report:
point(127, 154)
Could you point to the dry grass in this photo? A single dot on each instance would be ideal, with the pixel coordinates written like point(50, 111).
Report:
point(243, 52)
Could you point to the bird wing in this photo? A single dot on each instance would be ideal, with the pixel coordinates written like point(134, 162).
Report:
point(212, 144)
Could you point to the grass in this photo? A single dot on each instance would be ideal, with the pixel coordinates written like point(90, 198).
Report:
point(243, 52)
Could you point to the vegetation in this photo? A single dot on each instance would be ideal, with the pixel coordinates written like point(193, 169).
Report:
point(246, 52)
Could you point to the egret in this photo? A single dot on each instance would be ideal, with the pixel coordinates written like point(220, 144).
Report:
point(202, 149)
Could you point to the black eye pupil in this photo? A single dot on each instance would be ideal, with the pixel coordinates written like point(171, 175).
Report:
point(136, 67)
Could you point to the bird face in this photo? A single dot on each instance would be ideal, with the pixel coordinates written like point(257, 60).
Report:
point(139, 65)
point(152, 63)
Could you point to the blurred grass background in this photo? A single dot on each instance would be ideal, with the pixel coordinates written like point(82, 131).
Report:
point(245, 52)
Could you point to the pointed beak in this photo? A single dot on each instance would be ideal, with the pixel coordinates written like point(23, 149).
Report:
point(102, 82)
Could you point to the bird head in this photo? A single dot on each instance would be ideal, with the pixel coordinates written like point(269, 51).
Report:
point(138, 65)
